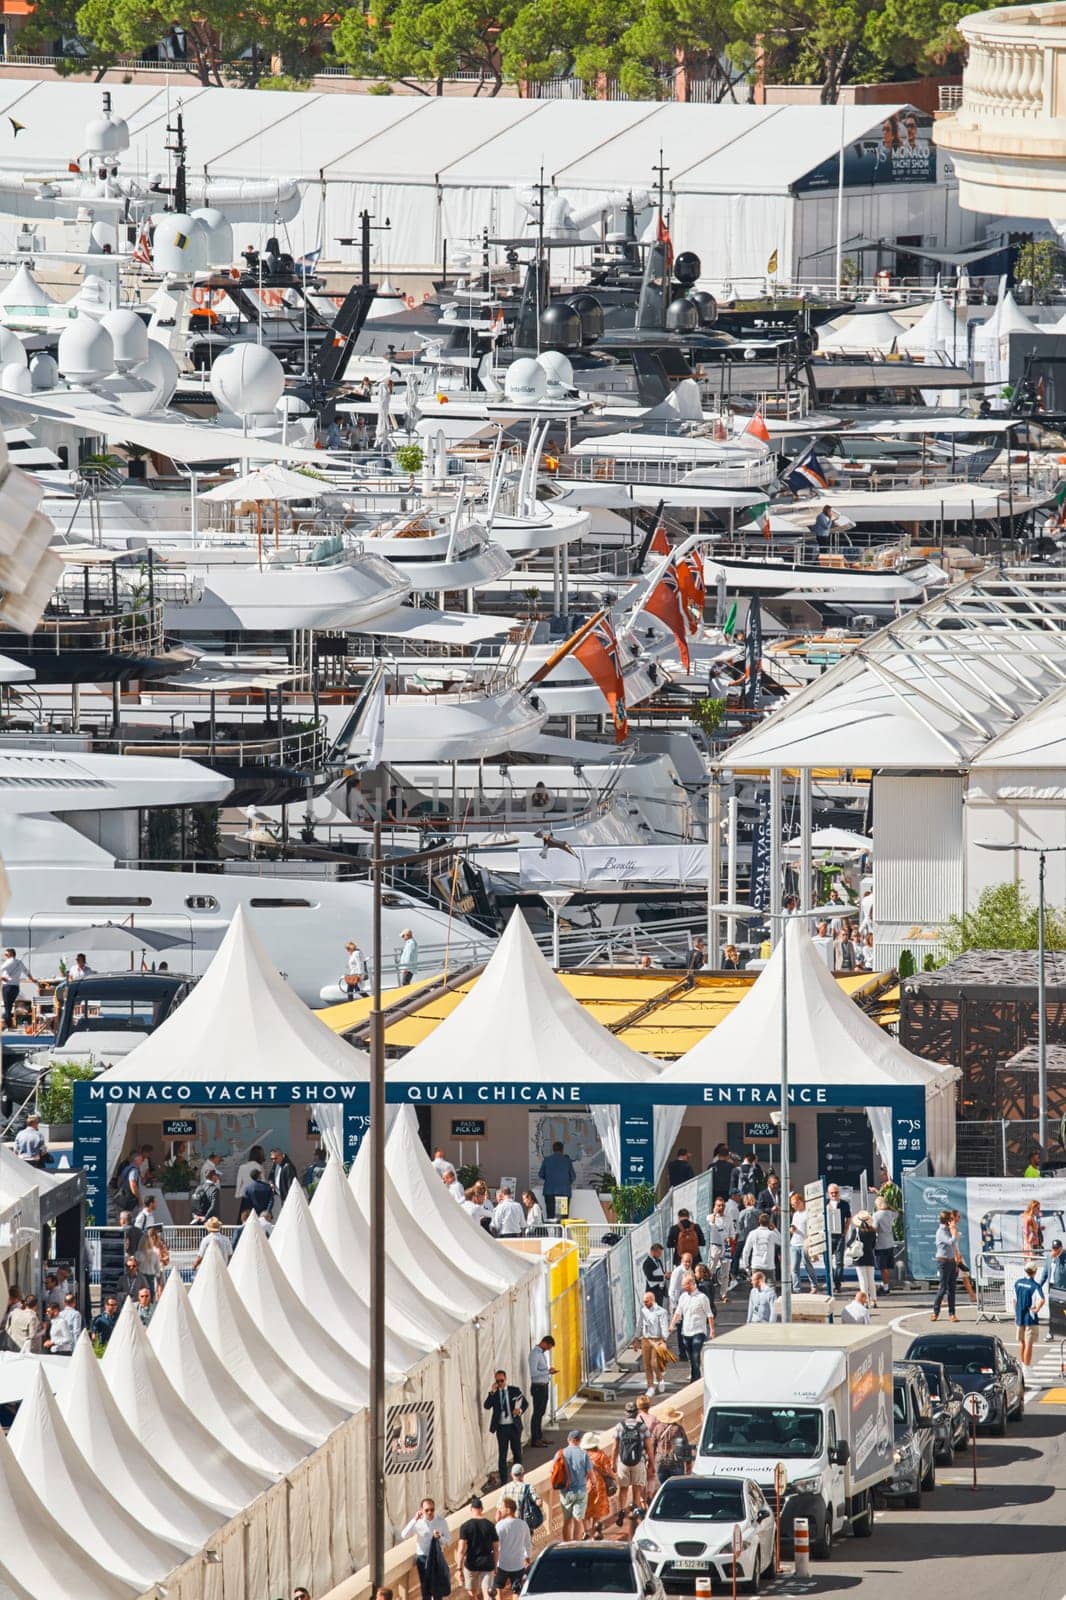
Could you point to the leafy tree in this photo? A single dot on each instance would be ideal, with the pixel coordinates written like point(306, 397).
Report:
point(129, 27)
point(813, 41)
point(1038, 264)
point(699, 35)
point(1004, 919)
point(415, 41)
point(48, 26)
point(921, 35)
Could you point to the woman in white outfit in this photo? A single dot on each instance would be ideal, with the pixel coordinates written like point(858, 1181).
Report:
point(720, 1246)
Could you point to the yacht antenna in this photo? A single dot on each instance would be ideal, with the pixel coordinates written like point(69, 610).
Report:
point(367, 226)
point(179, 193)
point(660, 172)
point(540, 248)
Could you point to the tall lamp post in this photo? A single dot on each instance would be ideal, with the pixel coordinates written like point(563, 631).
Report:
point(749, 914)
point(1041, 851)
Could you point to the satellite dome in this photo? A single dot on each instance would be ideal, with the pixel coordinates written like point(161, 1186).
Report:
point(558, 372)
point(179, 243)
point(590, 311)
point(292, 405)
point(129, 336)
point(687, 266)
point(682, 316)
point(44, 374)
point(706, 305)
point(526, 382)
point(11, 348)
point(218, 236)
point(137, 396)
point(160, 370)
point(15, 378)
point(107, 134)
point(85, 350)
point(247, 379)
point(560, 326)
point(95, 297)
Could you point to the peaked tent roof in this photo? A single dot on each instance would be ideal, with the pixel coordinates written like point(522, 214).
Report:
point(830, 1041)
point(937, 331)
point(432, 1208)
point(1036, 743)
point(242, 1021)
point(295, 1330)
point(38, 1552)
point(519, 1013)
point(169, 1429)
point(202, 1380)
point(24, 290)
point(104, 1528)
point(877, 330)
point(328, 1284)
point(121, 1460)
point(346, 1235)
point(252, 1359)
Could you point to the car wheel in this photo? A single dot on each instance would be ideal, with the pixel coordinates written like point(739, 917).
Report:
point(999, 1427)
point(945, 1453)
point(913, 1502)
point(823, 1547)
point(965, 1438)
point(929, 1481)
point(1019, 1411)
point(755, 1580)
point(863, 1526)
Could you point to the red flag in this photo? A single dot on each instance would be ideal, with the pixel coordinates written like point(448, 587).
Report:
point(693, 586)
point(143, 251)
point(662, 233)
point(599, 654)
point(758, 429)
point(664, 602)
point(660, 542)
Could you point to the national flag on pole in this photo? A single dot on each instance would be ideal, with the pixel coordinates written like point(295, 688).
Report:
point(807, 473)
point(143, 250)
point(758, 429)
point(598, 652)
point(374, 723)
point(693, 586)
point(662, 233)
point(771, 265)
point(665, 602)
point(730, 623)
point(660, 542)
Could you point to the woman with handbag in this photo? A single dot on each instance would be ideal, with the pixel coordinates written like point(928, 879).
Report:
point(602, 1485)
point(860, 1250)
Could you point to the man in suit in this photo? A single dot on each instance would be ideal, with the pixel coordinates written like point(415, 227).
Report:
point(506, 1405)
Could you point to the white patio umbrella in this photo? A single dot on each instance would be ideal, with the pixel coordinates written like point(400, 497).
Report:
point(269, 482)
point(837, 841)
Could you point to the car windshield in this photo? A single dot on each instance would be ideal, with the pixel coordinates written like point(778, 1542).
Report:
point(933, 1379)
point(773, 1432)
point(699, 1500)
point(583, 1572)
point(956, 1354)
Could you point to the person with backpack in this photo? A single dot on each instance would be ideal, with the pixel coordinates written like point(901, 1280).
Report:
point(529, 1505)
point(672, 1449)
point(721, 1171)
point(569, 1476)
point(685, 1238)
point(748, 1177)
point(631, 1460)
point(206, 1200)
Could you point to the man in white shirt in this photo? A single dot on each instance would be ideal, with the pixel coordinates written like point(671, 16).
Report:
point(12, 972)
point(72, 1317)
point(762, 1301)
point(508, 1218)
point(541, 1373)
point(653, 1330)
point(210, 1165)
point(453, 1186)
point(515, 1549)
point(442, 1164)
point(857, 1310)
point(694, 1318)
point(30, 1143)
point(761, 1247)
point(408, 957)
point(682, 1271)
point(424, 1528)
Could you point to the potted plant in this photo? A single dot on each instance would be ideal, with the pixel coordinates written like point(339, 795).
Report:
point(409, 459)
point(632, 1202)
point(55, 1099)
point(707, 714)
point(468, 1175)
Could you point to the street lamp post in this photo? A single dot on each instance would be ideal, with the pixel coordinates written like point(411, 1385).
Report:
point(1041, 851)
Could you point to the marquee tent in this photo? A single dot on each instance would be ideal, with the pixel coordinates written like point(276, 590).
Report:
point(832, 1045)
point(937, 335)
point(876, 331)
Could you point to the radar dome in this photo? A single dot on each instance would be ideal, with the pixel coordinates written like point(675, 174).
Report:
point(682, 316)
point(137, 396)
point(526, 382)
point(129, 337)
point(706, 305)
point(160, 370)
point(11, 348)
point(687, 266)
point(179, 243)
point(560, 326)
point(85, 350)
point(218, 236)
point(590, 311)
point(558, 371)
point(293, 405)
point(44, 374)
point(247, 379)
point(106, 135)
point(15, 378)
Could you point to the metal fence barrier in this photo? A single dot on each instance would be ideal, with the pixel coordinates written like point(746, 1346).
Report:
point(183, 1241)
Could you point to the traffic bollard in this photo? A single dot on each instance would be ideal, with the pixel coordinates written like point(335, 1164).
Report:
point(703, 1589)
point(801, 1544)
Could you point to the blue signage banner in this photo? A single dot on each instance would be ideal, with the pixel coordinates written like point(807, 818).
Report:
point(898, 150)
point(759, 895)
point(637, 1132)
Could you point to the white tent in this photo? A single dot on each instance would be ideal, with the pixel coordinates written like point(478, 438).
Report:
point(296, 1332)
point(937, 335)
point(202, 1380)
point(831, 1044)
point(168, 1428)
point(838, 841)
point(878, 331)
point(252, 1359)
point(38, 1553)
point(346, 1234)
point(23, 290)
point(241, 1024)
point(119, 1457)
point(519, 1013)
point(91, 1513)
point(303, 1257)
point(991, 338)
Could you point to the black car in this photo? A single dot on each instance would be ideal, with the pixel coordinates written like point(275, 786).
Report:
point(567, 1571)
point(951, 1420)
point(979, 1364)
point(913, 1436)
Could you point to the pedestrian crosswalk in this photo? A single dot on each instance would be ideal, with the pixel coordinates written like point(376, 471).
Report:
point(1045, 1379)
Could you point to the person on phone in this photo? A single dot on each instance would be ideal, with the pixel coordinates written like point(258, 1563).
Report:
point(506, 1405)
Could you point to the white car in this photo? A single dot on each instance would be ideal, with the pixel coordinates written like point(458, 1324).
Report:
point(688, 1532)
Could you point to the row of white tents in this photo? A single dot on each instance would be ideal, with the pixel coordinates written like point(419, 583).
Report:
point(939, 335)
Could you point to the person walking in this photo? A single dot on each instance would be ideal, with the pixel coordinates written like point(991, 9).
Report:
point(685, 1237)
point(541, 1373)
point(705, 1284)
point(693, 1318)
point(601, 1485)
point(655, 1273)
point(257, 1193)
point(103, 1324)
point(206, 1200)
point(721, 1171)
point(355, 970)
point(12, 972)
point(475, 1550)
point(885, 1246)
point(762, 1300)
point(557, 1175)
point(132, 1281)
point(427, 1529)
point(720, 1246)
point(680, 1169)
point(24, 1325)
point(282, 1174)
point(408, 957)
point(506, 1405)
point(946, 1250)
point(1032, 1229)
point(799, 1260)
point(861, 1248)
point(514, 1546)
point(760, 1251)
point(632, 1459)
point(672, 1447)
point(747, 1221)
point(1055, 1269)
point(838, 1216)
point(570, 1476)
point(748, 1176)
point(1028, 1302)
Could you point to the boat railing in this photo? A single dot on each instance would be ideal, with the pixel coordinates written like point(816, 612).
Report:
point(643, 466)
point(137, 630)
point(231, 742)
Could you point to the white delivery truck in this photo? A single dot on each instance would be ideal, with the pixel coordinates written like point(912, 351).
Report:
point(815, 1396)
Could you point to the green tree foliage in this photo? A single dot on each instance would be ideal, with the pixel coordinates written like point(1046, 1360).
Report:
point(1039, 264)
point(827, 42)
point(414, 41)
point(52, 21)
point(921, 36)
point(1004, 919)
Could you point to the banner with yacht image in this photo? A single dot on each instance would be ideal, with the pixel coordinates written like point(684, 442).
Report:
point(991, 1218)
point(899, 149)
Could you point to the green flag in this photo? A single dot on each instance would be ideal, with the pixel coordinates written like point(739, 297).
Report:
point(730, 621)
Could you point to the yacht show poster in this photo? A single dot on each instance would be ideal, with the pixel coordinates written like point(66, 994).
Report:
point(991, 1218)
point(899, 150)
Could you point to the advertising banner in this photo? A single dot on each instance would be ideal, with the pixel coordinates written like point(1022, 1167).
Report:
point(991, 1216)
point(899, 150)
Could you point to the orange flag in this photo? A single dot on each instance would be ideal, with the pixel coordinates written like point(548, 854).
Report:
point(599, 654)
point(758, 429)
point(691, 582)
point(664, 602)
point(660, 542)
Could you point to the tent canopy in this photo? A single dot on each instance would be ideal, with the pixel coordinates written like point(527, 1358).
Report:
point(271, 481)
point(878, 330)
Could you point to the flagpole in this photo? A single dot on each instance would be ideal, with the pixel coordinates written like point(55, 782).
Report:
point(840, 203)
point(565, 648)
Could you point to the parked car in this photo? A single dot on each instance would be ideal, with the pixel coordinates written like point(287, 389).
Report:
point(951, 1420)
point(566, 1571)
point(913, 1460)
point(688, 1532)
point(979, 1364)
